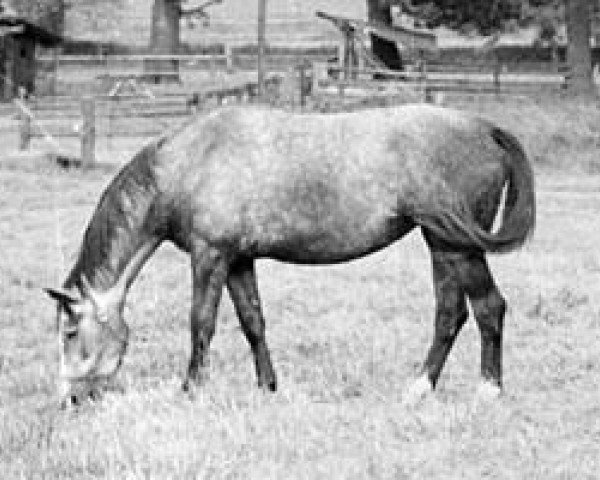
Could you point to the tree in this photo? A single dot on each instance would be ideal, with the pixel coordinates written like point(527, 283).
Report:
point(164, 37)
point(579, 54)
point(49, 14)
point(166, 15)
point(484, 16)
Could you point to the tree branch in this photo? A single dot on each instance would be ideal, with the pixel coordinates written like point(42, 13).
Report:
point(200, 10)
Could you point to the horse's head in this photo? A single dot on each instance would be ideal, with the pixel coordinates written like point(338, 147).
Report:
point(92, 340)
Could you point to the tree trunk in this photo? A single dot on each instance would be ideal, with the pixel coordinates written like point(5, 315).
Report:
point(378, 11)
point(165, 27)
point(579, 53)
point(164, 37)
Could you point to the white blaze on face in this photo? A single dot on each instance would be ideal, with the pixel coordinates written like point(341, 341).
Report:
point(64, 389)
point(92, 338)
point(91, 345)
point(63, 318)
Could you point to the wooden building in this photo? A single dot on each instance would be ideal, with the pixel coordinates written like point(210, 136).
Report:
point(396, 43)
point(18, 40)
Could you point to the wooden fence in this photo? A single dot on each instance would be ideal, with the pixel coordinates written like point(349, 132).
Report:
point(305, 77)
point(426, 81)
point(120, 116)
point(230, 57)
point(434, 76)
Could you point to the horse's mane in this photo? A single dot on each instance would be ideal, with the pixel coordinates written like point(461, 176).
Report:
point(119, 213)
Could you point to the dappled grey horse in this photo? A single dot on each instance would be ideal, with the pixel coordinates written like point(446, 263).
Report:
point(244, 183)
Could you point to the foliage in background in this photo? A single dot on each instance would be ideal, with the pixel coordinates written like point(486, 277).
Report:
point(49, 14)
point(483, 16)
point(487, 16)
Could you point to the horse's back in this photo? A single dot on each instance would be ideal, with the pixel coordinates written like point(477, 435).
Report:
point(270, 145)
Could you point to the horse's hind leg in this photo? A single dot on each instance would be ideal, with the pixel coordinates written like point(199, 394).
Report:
point(450, 315)
point(451, 311)
point(460, 274)
point(243, 290)
point(489, 308)
point(209, 271)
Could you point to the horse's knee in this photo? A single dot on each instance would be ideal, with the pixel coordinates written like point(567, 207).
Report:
point(489, 312)
point(202, 330)
point(449, 321)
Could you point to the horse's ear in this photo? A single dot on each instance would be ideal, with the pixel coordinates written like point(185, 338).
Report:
point(61, 296)
point(64, 298)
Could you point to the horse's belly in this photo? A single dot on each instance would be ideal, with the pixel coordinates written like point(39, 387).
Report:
point(332, 243)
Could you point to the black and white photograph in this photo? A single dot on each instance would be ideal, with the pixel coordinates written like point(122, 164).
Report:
point(300, 239)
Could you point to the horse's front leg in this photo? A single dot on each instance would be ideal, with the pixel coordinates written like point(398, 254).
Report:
point(243, 291)
point(209, 271)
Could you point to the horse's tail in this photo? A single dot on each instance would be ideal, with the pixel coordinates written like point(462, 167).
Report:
point(457, 226)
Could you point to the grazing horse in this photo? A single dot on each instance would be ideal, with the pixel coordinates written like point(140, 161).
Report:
point(243, 183)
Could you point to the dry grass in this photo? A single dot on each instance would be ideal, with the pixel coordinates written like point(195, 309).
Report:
point(345, 341)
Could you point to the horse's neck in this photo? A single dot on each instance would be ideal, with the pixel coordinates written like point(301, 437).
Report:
point(119, 239)
point(132, 267)
point(122, 258)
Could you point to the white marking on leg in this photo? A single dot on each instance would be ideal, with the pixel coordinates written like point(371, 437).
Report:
point(417, 390)
point(487, 392)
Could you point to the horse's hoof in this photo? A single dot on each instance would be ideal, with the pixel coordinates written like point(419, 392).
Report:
point(193, 381)
point(185, 386)
point(487, 392)
point(417, 391)
point(269, 384)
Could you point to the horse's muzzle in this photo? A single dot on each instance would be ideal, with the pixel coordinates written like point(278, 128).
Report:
point(74, 394)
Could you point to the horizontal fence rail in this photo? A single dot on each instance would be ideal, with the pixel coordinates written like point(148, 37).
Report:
point(306, 75)
point(229, 56)
point(133, 116)
point(116, 71)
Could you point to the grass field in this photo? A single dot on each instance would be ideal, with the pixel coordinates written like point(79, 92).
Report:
point(345, 341)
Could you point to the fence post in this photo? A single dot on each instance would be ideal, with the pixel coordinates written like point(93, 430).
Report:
point(55, 67)
point(427, 93)
point(497, 71)
point(229, 57)
point(348, 59)
point(289, 91)
point(305, 86)
point(88, 132)
point(24, 130)
point(319, 74)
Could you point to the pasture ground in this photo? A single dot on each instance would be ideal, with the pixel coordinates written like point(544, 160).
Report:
point(345, 341)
